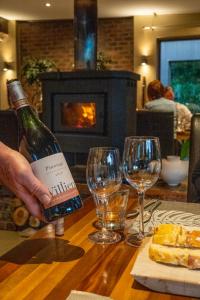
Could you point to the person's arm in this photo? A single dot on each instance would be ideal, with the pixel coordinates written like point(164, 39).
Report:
point(16, 174)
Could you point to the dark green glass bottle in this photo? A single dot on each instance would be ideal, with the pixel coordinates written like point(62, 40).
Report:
point(42, 150)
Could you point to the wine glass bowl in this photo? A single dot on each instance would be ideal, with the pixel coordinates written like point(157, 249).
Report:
point(103, 178)
point(143, 177)
point(141, 168)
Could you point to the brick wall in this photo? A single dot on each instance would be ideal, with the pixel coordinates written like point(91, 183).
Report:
point(54, 40)
point(115, 39)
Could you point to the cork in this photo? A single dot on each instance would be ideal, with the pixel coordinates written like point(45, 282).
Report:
point(59, 227)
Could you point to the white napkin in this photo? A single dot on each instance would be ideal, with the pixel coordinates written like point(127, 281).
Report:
point(79, 295)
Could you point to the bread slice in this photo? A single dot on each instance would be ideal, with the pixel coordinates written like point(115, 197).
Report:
point(166, 234)
point(186, 257)
point(176, 235)
point(193, 238)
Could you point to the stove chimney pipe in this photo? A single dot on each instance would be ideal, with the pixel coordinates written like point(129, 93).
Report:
point(85, 33)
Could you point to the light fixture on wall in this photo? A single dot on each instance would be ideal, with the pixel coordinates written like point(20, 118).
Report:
point(144, 61)
point(3, 29)
point(7, 66)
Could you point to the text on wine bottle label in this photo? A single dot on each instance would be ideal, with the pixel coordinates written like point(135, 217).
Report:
point(53, 171)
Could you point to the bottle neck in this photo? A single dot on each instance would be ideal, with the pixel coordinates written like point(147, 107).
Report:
point(21, 103)
point(27, 117)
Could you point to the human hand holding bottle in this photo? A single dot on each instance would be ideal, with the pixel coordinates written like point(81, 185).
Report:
point(17, 175)
point(42, 150)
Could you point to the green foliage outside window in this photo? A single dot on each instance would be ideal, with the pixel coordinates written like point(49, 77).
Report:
point(185, 80)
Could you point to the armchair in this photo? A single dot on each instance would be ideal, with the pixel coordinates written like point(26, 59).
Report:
point(160, 124)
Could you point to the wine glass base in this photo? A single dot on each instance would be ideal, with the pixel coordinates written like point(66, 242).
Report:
point(134, 240)
point(109, 237)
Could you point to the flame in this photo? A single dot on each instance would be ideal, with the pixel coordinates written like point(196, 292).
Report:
point(89, 114)
point(79, 115)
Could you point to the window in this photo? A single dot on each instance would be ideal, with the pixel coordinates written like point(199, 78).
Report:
point(180, 68)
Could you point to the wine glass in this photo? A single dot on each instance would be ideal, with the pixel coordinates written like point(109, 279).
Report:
point(103, 178)
point(141, 168)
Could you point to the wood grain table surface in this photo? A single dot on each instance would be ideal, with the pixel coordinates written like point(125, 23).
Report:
point(49, 267)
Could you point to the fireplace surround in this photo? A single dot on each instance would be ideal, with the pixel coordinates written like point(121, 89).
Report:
point(109, 96)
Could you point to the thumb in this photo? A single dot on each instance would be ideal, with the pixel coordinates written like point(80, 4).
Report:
point(37, 189)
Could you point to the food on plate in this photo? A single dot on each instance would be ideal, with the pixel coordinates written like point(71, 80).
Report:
point(176, 235)
point(186, 257)
point(177, 245)
point(193, 238)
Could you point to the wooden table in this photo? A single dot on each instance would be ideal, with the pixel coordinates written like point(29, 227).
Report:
point(45, 267)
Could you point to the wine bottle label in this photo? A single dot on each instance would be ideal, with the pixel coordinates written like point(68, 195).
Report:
point(53, 171)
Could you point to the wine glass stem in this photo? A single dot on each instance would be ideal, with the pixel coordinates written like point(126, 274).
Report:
point(104, 229)
point(141, 195)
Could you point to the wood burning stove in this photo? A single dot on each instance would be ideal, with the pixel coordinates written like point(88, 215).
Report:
point(89, 108)
point(80, 113)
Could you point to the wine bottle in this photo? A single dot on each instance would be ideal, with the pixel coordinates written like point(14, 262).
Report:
point(41, 149)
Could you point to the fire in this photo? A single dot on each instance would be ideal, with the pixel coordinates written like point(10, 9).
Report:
point(79, 115)
point(89, 114)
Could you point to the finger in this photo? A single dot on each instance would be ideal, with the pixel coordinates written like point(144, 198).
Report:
point(37, 189)
point(31, 204)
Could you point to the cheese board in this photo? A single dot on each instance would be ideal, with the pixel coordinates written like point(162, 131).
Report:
point(163, 277)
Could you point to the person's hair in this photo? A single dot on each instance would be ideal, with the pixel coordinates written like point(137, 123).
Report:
point(168, 93)
point(155, 90)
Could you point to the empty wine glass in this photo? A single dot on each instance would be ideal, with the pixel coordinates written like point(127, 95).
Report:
point(103, 178)
point(141, 168)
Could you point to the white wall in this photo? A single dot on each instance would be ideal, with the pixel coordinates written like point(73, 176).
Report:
point(145, 41)
point(175, 51)
point(7, 54)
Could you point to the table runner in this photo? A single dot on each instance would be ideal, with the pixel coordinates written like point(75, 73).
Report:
point(187, 214)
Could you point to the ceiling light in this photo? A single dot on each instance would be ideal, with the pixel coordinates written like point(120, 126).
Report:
point(146, 27)
point(149, 28)
point(48, 4)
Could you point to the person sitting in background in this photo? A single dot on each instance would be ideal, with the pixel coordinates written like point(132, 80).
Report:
point(184, 115)
point(157, 101)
